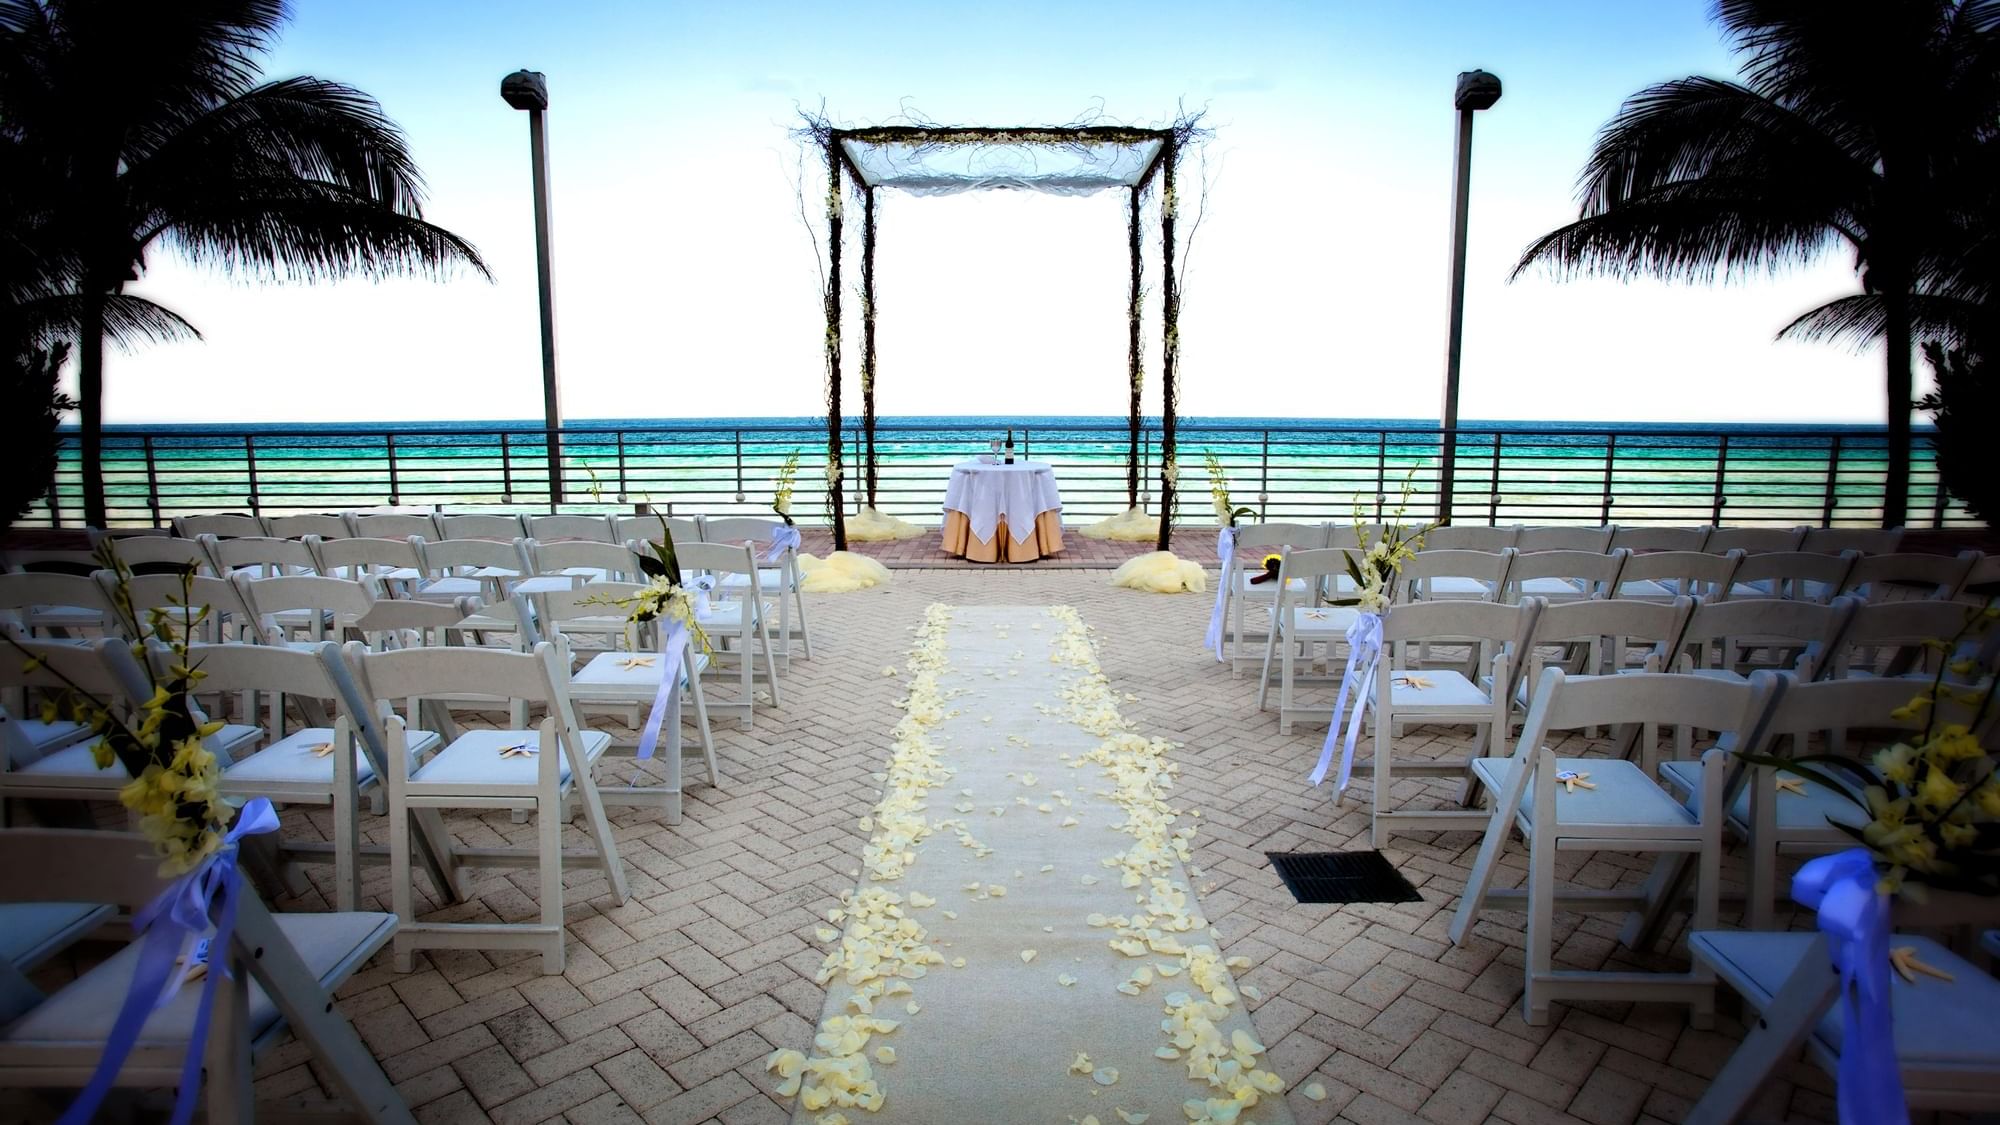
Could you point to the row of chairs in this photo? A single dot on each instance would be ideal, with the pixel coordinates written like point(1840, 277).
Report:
point(402, 523)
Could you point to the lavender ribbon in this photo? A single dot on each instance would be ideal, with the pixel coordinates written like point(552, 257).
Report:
point(672, 651)
point(783, 538)
point(1854, 916)
point(1225, 545)
point(166, 927)
point(1364, 655)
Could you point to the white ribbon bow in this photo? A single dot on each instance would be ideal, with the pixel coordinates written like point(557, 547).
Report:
point(1364, 654)
point(1225, 545)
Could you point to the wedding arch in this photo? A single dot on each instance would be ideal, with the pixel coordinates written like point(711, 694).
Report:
point(1079, 159)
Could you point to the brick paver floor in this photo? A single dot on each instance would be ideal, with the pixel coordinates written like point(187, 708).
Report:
point(671, 1001)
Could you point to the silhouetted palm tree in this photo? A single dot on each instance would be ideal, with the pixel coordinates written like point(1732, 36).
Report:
point(1864, 122)
point(126, 126)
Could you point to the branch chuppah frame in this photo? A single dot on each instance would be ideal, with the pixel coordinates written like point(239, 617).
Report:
point(927, 159)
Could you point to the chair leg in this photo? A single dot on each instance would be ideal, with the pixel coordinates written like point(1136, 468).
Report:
point(1263, 677)
point(770, 657)
point(1285, 681)
point(701, 723)
point(548, 830)
point(227, 1054)
point(346, 848)
point(1378, 832)
point(402, 897)
point(1772, 1040)
point(600, 829)
point(1476, 884)
point(805, 627)
point(1541, 922)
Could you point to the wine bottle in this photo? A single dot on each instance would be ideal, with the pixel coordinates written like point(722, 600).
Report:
point(1010, 445)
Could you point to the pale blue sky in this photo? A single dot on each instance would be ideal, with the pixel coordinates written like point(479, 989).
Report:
point(686, 285)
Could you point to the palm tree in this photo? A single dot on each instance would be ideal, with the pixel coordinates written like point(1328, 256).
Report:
point(1868, 123)
point(127, 126)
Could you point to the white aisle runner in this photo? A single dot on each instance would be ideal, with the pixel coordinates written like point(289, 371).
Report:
point(1023, 945)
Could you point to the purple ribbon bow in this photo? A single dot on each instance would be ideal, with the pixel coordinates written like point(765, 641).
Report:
point(167, 926)
point(1854, 916)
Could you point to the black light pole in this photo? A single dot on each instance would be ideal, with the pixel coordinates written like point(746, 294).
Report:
point(528, 90)
point(1477, 90)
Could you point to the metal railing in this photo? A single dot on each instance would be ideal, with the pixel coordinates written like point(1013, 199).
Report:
point(1635, 475)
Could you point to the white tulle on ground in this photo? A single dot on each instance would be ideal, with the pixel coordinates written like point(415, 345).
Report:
point(1161, 572)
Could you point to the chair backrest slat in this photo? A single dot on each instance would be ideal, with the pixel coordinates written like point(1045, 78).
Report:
point(441, 556)
point(158, 554)
point(1472, 537)
point(1486, 567)
point(482, 525)
point(264, 553)
point(364, 553)
point(592, 529)
point(323, 524)
point(1687, 572)
point(1942, 575)
point(1298, 536)
point(222, 525)
point(647, 528)
point(1861, 540)
point(1801, 575)
point(616, 560)
point(392, 525)
point(1536, 539)
point(1596, 573)
point(1753, 539)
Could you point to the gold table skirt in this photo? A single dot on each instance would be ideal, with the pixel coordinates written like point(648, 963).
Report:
point(1003, 547)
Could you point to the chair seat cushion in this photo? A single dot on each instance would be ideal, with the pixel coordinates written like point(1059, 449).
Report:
point(608, 672)
point(452, 587)
point(1457, 586)
point(43, 737)
point(32, 931)
point(74, 764)
point(290, 760)
point(1447, 689)
point(474, 759)
point(1647, 588)
point(729, 614)
point(1939, 1025)
point(1554, 587)
point(1624, 796)
point(770, 579)
point(1796, 812)
point(81, 1014)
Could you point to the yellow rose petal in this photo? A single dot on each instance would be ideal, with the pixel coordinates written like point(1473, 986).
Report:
point(1314, 1091)
point(1133, 1118)
point(1081, 1065)
point(825, 934)
point(1105, 1076)
point(1027, 955)
point(885, 1055)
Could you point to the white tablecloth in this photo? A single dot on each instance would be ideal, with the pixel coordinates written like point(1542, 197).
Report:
point(1018, 493)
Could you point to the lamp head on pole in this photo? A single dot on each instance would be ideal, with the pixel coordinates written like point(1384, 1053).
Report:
point(1477, 89)
point(527, 89)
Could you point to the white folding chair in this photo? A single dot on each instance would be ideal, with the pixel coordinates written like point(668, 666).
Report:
point(1662, 576)
point(629, 680)
point(739, 627)
point(68, 770)
point(1298, 622)
point(589, 529)
point(1601, 638)
point(1722, 639)
point(1800, 819)
point(279, 973)
point(262, 556)
point(162, 554)
point(1876, 577)
point(312, 604)
point(1559, 575)
point(1798, 575)
point(1754, 540)
point(180, 598)
point(55, 605)
point(1253, 542)
point(331, 765)
point(529, 769)
point(1896, 639)
point(222, 525)
point(1611, 805)
point(1407, 693)
point(1982, 579)
point(393, 562)
point(483, 568)
point(780, 576)
point(325, 525)
point(1451, 573)
point(482, 525)
point(579, 561)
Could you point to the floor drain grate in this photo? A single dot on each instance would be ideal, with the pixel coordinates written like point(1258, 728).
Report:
point(1342, 877)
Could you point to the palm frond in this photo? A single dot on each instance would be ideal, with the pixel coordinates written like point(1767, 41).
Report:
point(290, 229)
point(1860, 319)
point(1697, 231)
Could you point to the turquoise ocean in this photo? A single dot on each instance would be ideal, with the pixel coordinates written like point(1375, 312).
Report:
point(1583, 472)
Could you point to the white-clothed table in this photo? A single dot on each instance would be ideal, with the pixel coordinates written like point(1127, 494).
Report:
point(982, 502)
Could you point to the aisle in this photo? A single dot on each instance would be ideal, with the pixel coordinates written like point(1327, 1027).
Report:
point(1023, 945)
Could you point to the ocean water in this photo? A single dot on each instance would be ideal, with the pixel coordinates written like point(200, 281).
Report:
point(1586, 472)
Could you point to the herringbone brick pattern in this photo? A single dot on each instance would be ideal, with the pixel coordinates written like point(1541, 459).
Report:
point(672, 1001)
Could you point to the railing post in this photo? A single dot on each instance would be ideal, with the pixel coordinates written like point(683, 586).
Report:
point(1493, 482)
point(1264, 474)
point(152, 483)
point(1447, 469)
point(1610, 466)
point(621, 493)
point(1381, 472)
point(1721, 479)
point(250, 467)
point(1832, 482)
point(395, 490)
point(507, 472)
point(1940, 498)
